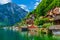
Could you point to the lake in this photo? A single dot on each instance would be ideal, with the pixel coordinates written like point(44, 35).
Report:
point(6, 34)
point(11, 35)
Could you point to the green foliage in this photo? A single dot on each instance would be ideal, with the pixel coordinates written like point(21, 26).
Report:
point(44, 22)
point(41, 21)
point(45, 6)
point(42, 9)
point(47, 25)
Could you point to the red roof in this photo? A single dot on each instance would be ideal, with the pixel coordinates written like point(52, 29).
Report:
point(32, 26)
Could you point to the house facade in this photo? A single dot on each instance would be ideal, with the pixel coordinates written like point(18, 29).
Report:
point(56, 15)
point(33, 30)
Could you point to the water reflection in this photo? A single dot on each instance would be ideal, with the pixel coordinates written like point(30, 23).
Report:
point(10, 35)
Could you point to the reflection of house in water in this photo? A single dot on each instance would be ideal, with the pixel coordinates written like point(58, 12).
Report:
point(56, 15)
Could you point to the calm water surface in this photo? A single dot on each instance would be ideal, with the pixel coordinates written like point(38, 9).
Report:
point(11, 35)
point(6, 34)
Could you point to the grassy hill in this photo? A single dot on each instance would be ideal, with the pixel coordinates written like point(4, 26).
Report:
point(42, 9)
point(45, 6)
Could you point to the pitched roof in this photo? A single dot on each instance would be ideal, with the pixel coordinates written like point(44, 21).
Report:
point(54, 27)
point(30, 21)
point(32, 26)
point(55, 13)
point(56, 10)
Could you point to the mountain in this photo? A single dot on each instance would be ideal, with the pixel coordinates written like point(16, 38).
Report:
point(42, 9)
point(10, 14)
point(45, 6)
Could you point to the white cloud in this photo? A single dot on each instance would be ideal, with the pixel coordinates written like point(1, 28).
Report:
point(4, 1)
point(39, 0)
point(36, 4)
point(24, 7)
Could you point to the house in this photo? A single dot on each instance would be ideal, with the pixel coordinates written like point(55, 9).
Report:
point(32, 16)
point(29, 21)
point(56, 10)
point(49, 14)
point(53, 12)
point(33, 30)
point(56, 27)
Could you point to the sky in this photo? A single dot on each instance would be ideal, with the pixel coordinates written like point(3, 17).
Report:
point(27, 5)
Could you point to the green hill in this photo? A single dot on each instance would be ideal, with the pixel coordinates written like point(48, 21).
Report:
point(42, 9)
point(45, 6)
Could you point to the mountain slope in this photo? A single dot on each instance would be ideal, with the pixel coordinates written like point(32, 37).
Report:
point(42, 9)
point(10, 14)
point(45, 6)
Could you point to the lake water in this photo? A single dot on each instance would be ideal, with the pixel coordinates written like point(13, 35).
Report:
point(17, 35)
point(11, 35)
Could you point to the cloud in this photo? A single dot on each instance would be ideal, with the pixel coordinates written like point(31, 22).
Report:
point(39, 0)
point(24, 7)
point(4, 1)
point(36, 4)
